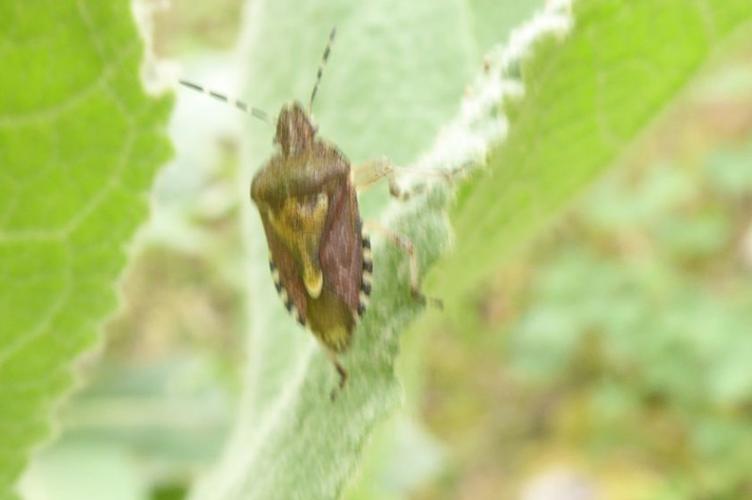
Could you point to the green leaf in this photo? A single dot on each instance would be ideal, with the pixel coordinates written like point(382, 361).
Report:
point(79, 145)
point(587, 100)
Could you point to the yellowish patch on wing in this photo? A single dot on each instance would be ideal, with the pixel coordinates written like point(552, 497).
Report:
point(299, 224)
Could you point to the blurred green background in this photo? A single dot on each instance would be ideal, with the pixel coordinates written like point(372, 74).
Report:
point(611, 359)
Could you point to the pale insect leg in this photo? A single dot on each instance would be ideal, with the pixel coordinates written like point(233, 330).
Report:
point(366, 174)
point(406, 246)
point(369, 173)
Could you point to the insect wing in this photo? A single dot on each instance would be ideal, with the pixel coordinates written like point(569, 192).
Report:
point(341, 249)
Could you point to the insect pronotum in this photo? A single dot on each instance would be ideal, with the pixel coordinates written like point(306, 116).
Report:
point(319, 255)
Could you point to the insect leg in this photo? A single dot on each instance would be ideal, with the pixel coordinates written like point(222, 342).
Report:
point(340, 371)
point(369, 173)
point(407, 246)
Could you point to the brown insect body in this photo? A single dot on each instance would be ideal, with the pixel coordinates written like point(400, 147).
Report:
point(319, 257)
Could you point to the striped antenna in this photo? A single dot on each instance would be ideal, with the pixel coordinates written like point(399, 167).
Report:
point(321, 68)
point(235, 102)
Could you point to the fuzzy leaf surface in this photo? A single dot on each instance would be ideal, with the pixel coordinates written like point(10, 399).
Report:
point(587, 99)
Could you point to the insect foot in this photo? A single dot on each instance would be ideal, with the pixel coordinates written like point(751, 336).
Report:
point(343, 376)
point(425, 300)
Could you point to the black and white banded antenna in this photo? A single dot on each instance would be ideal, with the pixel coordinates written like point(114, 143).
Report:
point(255, 112)
point(324, 59)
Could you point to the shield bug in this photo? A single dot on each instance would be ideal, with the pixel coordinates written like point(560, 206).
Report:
point(319, 254)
